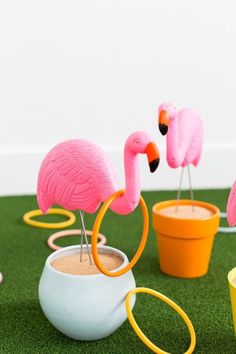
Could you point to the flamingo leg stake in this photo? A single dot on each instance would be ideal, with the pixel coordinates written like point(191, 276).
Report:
point(81, 240)
point(83, 233)
point(179, 189)
point(191, 189)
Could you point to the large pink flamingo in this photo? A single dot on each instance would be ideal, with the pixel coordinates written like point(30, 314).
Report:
point(77, 174)
point(184, 141)
point(231, 206)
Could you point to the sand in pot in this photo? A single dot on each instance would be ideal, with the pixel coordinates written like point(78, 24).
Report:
point(71, 264)
point(186, 212)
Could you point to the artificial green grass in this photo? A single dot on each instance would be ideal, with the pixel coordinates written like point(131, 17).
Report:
point(23, 251)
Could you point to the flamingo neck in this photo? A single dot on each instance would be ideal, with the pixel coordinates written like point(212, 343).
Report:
point(130, 199)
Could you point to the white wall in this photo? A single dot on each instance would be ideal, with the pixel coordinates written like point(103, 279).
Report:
point(99, 70)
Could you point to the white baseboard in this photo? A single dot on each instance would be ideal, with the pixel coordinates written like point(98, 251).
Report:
point(19, 169)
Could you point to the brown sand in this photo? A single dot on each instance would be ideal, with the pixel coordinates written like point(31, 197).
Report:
point(71, 264)
point(186, 212)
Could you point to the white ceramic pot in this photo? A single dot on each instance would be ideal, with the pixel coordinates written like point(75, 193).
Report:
point(84, 307)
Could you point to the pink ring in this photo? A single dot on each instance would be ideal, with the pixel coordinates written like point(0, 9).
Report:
point(60, 234)
point(1, 278)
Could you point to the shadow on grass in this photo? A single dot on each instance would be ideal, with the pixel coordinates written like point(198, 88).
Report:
point(24, 329)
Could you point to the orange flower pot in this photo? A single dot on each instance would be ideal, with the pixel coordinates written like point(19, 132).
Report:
point(185, 245)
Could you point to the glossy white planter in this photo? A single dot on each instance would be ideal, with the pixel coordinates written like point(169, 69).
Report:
point(84, 307)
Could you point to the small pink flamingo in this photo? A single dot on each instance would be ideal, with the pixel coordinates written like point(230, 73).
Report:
point(77, 174)
point(184, 141)
point(231, 206)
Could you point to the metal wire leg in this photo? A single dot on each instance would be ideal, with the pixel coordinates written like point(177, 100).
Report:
point(191, 189)
point(179, 189)
point(86, 239)
point(81, 240)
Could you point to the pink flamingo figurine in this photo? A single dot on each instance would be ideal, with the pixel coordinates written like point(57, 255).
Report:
point(231, 206)
point(77, 174)
point(184, 141)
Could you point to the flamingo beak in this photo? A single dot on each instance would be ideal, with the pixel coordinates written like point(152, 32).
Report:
point(163, 122)
point(153, 156)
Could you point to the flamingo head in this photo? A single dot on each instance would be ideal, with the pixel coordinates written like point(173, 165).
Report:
point(166, 112)
point(142, 143)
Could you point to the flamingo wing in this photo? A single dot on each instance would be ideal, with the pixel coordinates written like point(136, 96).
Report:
point(63, 179)
point(72, 175)
point(231, 206)
point(57, 187)
point(191, 136)
point(178, 139)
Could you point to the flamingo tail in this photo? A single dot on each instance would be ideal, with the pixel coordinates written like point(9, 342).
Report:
point(44, 202)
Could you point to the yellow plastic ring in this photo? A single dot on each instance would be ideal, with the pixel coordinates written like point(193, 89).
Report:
point(66, 233)
point(169, 302)
point(96, 228)
point(47, 225)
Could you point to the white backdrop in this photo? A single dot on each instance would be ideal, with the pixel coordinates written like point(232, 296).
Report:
point(99, 70)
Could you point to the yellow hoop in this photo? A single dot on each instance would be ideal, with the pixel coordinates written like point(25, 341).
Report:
point(172, 304)
point(46, 225)
point(96, 228)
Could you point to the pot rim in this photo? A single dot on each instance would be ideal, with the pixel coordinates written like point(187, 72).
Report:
point(163, 204)
point(107, 249)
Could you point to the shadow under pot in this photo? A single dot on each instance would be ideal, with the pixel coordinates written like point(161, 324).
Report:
point(84, 306)
point(185, 236)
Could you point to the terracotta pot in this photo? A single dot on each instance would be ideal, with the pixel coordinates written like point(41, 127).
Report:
point(84, 307)
point(185, 245)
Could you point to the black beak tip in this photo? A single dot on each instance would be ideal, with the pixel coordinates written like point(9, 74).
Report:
point(154, 164)
point(163, 129)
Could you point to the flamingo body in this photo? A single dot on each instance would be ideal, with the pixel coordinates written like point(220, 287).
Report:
point(231, 206)
point(77, 174)
point(184, 136)
point(68, 176)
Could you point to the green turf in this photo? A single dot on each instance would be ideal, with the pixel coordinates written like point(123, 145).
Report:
point(24, 329)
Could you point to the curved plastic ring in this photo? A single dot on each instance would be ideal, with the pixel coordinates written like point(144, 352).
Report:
point(60, 234)
point(46, 225)
point(226, 229)
point(1, 278)
point(96, 228)
point(172, 304)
